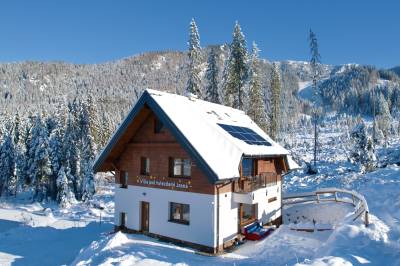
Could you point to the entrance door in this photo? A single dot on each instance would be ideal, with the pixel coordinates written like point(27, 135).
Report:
point(145, 217)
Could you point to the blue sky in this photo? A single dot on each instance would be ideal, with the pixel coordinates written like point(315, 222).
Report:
point(89, 31)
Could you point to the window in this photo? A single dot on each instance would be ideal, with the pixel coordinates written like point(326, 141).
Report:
point(247, 213)
point(124, 179)
point(179, 167)
point(272, 199)
point(179, 213)
point(247, 167)
point(158, 126)
point(144, 166)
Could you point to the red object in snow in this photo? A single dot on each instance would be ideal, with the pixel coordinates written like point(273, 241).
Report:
point(255, 231)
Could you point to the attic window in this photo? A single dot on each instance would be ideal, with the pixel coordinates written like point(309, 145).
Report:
point(158, 126)
point(179, 167)
point(245, 134)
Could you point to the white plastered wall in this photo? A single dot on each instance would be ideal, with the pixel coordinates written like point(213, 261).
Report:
point(202, 213)
point(269, 211)
point(228, 217)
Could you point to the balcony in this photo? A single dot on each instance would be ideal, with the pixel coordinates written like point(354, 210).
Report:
point(249, 190)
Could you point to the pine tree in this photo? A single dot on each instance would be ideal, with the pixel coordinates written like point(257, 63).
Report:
point(22, 153)
point(56, 158)
point(315, 67)
point(87, 155)
point(7, 164)
point(39, 161)
point(64, 194)
point(212, 94)
point(362, 150)
point(16, 129)
point(194, 82)
point(275, 102)
point(88, 186)
point(236, 71)
point(383, 117)
point(256, 106)
point(70, 151)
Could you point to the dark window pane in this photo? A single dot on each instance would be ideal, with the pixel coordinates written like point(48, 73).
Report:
point(185, 212)
point(187, 167)
point(247, 167)
point(144, 166)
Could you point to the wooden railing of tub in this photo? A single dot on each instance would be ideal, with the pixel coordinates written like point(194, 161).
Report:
point(332, 194)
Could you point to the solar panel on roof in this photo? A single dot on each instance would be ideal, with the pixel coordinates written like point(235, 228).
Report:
point(245, 134)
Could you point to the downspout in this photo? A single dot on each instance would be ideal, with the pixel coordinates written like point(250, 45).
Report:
point(217, 219)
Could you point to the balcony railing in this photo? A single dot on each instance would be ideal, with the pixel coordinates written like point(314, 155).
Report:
point(252, 183)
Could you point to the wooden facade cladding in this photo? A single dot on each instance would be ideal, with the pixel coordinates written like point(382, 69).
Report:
point(110, 162)
point(158, 147)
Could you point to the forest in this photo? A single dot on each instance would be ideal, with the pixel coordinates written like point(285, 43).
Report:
point(56, 117)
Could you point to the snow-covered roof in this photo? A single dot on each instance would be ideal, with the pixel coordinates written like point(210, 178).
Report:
point(199, 122)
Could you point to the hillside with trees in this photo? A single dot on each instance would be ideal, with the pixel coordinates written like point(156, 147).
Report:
point(56, 116)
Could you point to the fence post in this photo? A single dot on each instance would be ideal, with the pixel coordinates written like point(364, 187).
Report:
point(354, 200)
point(335, 196)
point(366, 219)
point(317, 197)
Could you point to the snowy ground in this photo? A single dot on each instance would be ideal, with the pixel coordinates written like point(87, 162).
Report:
point(40, 234)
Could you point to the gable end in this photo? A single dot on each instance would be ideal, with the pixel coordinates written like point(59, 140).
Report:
point(159, 112)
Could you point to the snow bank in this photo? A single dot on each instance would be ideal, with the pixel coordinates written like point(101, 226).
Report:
point(42, 234)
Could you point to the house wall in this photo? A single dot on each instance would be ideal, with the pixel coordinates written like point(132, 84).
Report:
point(269, 211)
point(197, 191)
point(229, 217)
point(202, 213)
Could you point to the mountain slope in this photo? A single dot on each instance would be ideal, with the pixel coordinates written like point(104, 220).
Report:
point(41, 87)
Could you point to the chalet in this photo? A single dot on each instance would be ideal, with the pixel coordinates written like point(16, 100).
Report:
point(193, 172)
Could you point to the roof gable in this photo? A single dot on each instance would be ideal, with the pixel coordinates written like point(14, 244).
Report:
point(144, 101)
point(195, 125)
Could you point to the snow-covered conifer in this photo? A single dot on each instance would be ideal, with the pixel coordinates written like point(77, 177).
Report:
point(7, 164)
point(256, 106)
point(235, 74)
point(70, 151)
point(87, 156)
point(275, 102)
point(194, 82)
point(212, 94)
point(56, 158)
point(315, 62)
point(362, 151)
point(64, 196)
point(39, 160)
